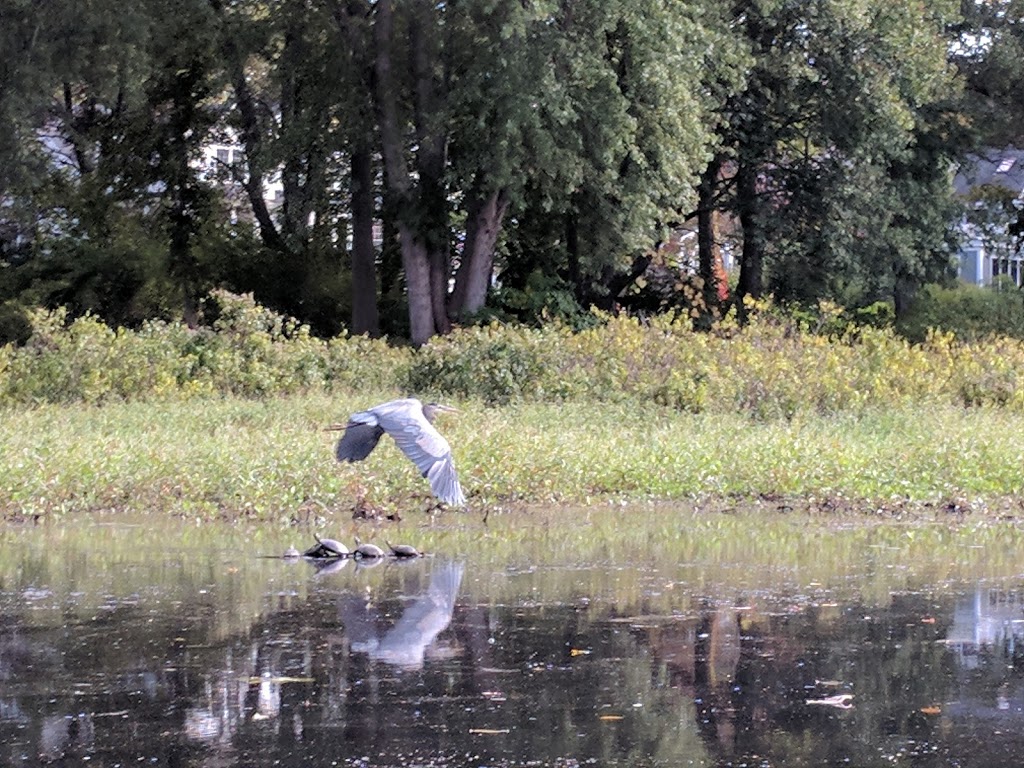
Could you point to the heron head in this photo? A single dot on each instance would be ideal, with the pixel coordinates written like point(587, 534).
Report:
point(430, 410)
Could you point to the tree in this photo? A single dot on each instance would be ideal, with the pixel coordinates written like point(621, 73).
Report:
point(987, 44)
point(352, 17)
point(113, 126)
point(290, 70)
point(834, 131)
point(615, 130)
point(567, 107)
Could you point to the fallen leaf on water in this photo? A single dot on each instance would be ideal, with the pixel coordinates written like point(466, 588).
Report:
point(579, 652)
point(611, 717)
point(931, 710)
point(928, 620)
point(489, 731)
point(840, 701)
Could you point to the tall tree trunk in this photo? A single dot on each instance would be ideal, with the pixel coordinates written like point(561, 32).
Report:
point(75, 120)
point(365, 319)
point(572, 249)
point(417, 286)
point(349, 16)
point(293, 221)
point(431, 159)
point(182, 260)
point(183, 217)
point(483, 223)
point(186, 212)
point(903, 296)
point(415, 260)
point(250, 134)
point(748, 204)
point(707, 244)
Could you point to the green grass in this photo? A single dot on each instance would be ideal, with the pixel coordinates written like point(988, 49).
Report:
point(270, 459)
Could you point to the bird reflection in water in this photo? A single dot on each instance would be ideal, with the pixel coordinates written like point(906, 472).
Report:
point(407, 643)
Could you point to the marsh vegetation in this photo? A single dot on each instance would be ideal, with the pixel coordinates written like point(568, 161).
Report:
point(226, 421)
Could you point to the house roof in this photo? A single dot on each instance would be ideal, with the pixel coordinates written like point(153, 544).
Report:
point(1002, 167)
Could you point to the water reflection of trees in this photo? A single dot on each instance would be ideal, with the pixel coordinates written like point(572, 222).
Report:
point(405, 669)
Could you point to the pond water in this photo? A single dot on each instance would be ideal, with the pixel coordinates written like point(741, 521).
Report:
point(651, 636)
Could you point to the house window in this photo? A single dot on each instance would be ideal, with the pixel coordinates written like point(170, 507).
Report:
point(222, 156)
point(1006, 164)
point(1011, 267)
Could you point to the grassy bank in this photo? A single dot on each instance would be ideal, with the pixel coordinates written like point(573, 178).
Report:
point(226, 420)
point(269, 459)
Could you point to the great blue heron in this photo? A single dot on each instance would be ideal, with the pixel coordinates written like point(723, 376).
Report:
point(410, 423)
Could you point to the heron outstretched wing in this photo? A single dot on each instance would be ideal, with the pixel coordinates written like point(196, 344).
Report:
point(407, 424)
point(432, 455)
point(358, 441)
point(444, 482)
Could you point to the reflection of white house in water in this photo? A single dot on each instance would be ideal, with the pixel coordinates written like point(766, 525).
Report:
point(993, 183)
point(989, 618)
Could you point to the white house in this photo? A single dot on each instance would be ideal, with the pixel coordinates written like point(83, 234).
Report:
point(992, 182)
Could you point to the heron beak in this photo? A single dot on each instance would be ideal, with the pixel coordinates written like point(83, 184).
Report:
point(448, 408)
point(336, 428)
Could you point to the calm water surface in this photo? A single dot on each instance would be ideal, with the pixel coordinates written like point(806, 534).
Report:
point(639, 637)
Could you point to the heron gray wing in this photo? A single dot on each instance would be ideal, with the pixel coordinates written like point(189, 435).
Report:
point(444, 482)
point(358, 441)
point(432, 455)
point(405, 643)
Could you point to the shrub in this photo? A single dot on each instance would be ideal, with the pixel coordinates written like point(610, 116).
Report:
point(494, 363)
point(245, 350)
point(970, 312)
point(776, 366)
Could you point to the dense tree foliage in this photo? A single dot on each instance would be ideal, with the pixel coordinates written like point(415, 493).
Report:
point(987, 45)
point(399, 166)
point(832, 164)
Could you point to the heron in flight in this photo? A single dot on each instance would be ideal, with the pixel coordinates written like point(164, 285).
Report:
point(410, 424)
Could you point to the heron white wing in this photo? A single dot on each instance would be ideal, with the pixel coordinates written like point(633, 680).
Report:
point(432, 455)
